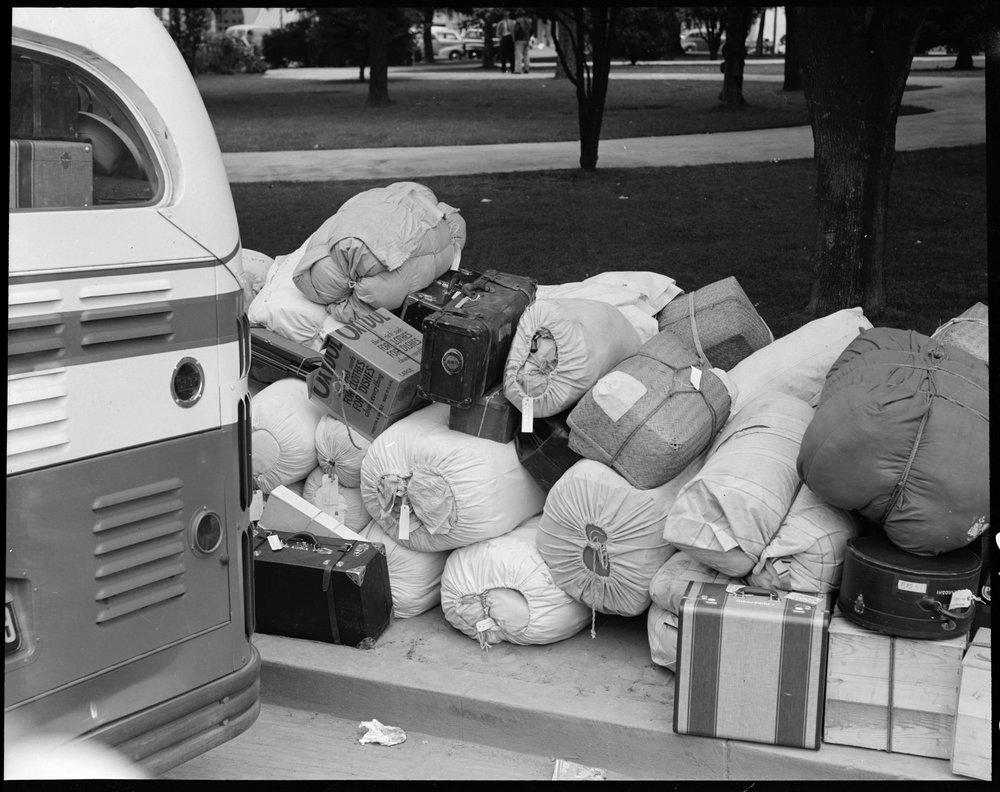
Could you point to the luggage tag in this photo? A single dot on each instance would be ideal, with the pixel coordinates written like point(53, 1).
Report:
point(404, 521)
point(274, 542)
point(330, 492)
point(256, 506)
point(527, 414)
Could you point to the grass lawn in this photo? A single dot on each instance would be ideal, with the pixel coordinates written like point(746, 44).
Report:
point(255, 113)
point(696, 224)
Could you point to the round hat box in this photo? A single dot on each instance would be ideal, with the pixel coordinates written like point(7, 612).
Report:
point(894, 592)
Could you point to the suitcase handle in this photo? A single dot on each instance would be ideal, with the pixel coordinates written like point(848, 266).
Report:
point(302, 536)
point(756, 591)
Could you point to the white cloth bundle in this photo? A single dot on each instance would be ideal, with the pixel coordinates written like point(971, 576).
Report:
point(433, 488)
point(283, 424)
point(255, 268)
point(728, 513)
point(501, 590)
point(344, 504)
point(380, 246)
point(340, 450)
point(283, 309)
point(414, 576)
point(602, 537)
point(561, 348)
point(797, 363)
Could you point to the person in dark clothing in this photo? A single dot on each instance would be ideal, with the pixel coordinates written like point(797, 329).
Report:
point(505, 30)
point(522, 44)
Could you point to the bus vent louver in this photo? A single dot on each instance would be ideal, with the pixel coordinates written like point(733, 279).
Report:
point(147, 323)
point(38, 339)
point(138, 548)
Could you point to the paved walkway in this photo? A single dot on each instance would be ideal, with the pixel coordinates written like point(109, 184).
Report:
point(958, 119)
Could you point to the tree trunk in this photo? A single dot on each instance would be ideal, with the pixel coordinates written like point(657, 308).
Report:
point(738, 20)
point(378, 57)
point(487, 44)
point(760, 33)
point(855, 61)
point(793, 72)
point(565, 57)
point(428, 40)
point(963, 60)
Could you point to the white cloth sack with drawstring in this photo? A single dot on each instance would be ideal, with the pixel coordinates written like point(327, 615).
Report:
point(340, 450)
point(561, 348)
point(381, 245)
point(602, 538)
point(283, 309)
point(414, 576)
point(283, 424)
point(638, 295)
point(348, 506)
point(797, 363)
point(729, 512)
point(457, 488)
point(501, 590)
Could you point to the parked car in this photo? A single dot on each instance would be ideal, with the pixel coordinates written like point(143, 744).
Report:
point(446, 43)
point(475, 42)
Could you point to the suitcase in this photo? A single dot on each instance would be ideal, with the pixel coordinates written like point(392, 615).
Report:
point(751, 664)
point(894, 592)
point(274, 357)
point(322, 588)
point(491, 416)
point(544, 451)
point(466, 343)
point(439, 293)
point(51, 174)
point(43, 101)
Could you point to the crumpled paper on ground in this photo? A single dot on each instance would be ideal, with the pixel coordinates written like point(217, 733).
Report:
point(381, 734)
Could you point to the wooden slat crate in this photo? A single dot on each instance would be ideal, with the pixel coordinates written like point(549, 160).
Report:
point(891, 694)
point(972, 754)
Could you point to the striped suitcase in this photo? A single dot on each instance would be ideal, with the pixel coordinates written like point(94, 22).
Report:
point(751, 664)
point(51, 174)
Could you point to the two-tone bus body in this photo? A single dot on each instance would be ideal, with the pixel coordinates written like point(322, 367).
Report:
point(129, 608)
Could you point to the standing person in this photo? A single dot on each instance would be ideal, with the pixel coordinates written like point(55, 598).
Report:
point(522, 44)
point(505, 29)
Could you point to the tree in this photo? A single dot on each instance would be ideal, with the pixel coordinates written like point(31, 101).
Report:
point(590, 34)
point(961, 27)
point(855, 61)
point(646, 33)
point(428, 20)
point(710, 24)
point(187, 28)
point(378, 53)
point(738, 20)
point(793, 73)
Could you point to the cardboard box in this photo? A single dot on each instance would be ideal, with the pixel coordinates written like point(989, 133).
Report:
point(286, 511)
point(972, 748)
point(751, 664)
point(892, 694)
point(370, 371)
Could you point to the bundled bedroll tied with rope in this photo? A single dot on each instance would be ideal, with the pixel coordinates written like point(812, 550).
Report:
point(902, 435)
point(501, 590)
point(380, 246)
point(432, 488)
point(652, 414)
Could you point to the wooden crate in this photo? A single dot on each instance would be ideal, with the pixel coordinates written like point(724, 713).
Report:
point(891, 694)
point(972, 754)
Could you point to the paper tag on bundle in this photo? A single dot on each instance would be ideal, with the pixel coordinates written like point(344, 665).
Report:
point(485, 625)
point(458, 258)
point(527, 414)
point(960, 599)
point(256, 506)
point(696, 378)
point(616, 393)
point(274, 542)
point(404, 522)
point(329, 491)
point(726, 542)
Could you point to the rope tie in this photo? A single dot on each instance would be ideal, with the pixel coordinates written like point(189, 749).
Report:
point(897, 491)
point(341, 386)
point(705, 363)
point(593, 620)
point(398, 491)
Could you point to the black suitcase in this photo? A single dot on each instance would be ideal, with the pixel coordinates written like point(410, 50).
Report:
point(894, 592)
point(434, 297)
point(466, 343)
point(322, 588)
point(44, 102)
point(491, 417)
point(274, 357)
point(544, 452)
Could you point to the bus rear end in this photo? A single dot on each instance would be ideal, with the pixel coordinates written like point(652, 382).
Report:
point(129, 605)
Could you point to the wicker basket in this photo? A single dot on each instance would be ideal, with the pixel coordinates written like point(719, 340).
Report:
point(724, 325)
point(969, 331)
point(653, 436)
